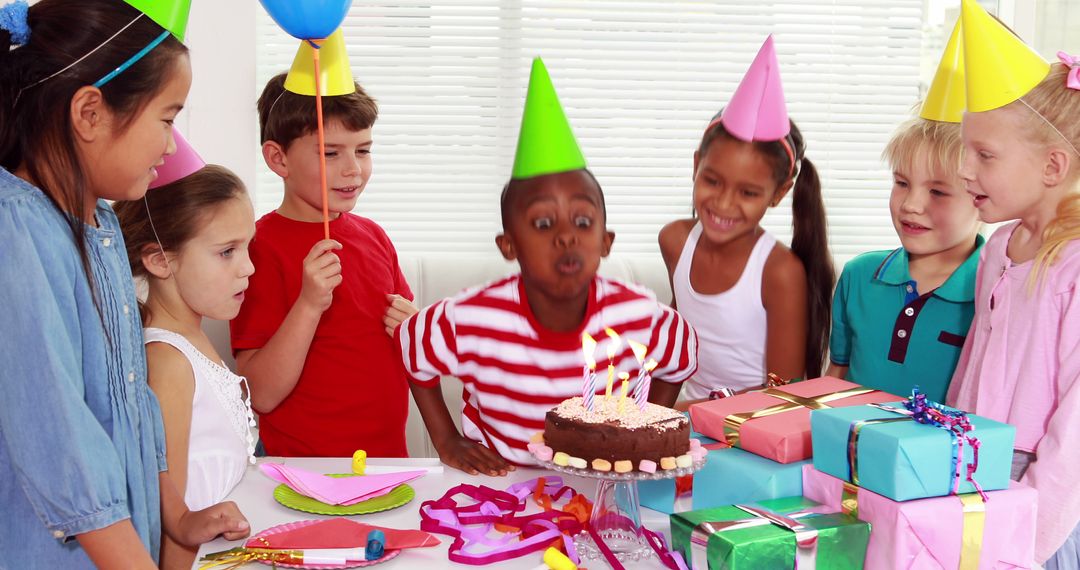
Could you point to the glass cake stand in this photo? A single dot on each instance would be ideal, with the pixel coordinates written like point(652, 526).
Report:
point(616, 512)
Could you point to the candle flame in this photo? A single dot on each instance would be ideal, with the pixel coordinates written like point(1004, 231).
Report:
point(624, 376)
point(640, 350)
point(651, 365)
point(588, 347)
point(615, 343)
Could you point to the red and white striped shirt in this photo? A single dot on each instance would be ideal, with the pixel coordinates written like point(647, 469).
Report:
point(514, 370)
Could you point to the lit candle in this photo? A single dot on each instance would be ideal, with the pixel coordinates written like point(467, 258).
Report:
point(625, 377)
point(613, 347)
point(641, 393)
point(588, 373)
point(640, 351)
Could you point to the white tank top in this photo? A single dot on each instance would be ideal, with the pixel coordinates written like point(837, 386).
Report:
point(730, 325)
point(220, 445)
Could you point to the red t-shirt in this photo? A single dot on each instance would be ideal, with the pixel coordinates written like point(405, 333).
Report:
point(352, 393)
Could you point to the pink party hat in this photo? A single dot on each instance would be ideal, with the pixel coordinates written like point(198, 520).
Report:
point(757, 111)
point(179, 164)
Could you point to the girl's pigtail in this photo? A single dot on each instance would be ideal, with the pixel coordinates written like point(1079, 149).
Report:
point(810, 243)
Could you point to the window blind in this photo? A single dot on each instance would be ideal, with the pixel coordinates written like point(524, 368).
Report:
point(639, 80)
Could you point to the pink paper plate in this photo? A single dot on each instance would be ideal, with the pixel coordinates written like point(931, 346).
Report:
point(387, 555)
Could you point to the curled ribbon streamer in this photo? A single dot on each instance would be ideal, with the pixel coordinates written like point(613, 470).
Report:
point(470, 525)
point(1072, 81)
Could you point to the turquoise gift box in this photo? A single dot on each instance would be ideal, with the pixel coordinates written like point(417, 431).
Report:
point(730, 476)
point(905, 460)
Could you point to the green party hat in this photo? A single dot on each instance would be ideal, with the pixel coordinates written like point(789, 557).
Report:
point(169, 14)
point(546, 145)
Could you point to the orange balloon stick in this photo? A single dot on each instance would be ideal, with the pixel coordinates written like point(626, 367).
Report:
point(322, 143)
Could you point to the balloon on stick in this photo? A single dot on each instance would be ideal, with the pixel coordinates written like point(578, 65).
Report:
point(317, 24)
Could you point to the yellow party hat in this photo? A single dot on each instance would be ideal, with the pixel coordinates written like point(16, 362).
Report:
point(1000, 68)
point(335, 74)
point(946, 99)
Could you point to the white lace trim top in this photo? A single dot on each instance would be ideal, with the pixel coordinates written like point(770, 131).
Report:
point(220, 444)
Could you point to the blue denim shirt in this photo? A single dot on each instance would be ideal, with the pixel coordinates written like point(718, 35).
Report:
point(81, 437)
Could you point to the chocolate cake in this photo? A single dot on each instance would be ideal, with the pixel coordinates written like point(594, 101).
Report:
point(606, 435)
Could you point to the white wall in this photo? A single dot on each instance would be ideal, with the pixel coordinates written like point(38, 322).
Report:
point(219, 119)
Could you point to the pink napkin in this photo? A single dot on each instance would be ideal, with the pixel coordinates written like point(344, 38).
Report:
point(337, 490)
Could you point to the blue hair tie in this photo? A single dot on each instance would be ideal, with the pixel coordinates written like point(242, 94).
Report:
point(13, 19)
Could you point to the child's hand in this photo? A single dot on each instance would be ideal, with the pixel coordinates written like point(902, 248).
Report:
point(225, 519)
point(322, 273)
point(399, 309)
point(471, 457)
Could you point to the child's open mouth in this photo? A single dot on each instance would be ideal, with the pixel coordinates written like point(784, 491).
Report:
point(979, 199)
point(912, 228)
point(721, 222)
point(347, 191)
point(568, 264)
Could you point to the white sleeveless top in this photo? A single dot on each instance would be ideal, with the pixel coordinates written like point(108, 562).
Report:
point(220, 445)
point(731, 325)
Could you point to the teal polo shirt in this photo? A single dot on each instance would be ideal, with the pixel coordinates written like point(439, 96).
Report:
point(892, 337)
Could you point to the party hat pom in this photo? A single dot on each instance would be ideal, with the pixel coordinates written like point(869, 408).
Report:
point(946, 99)
point(13, 20)
point(183, 162)
point(335, 74)
point(1000, 68)
point(546, 145)
point(757, 111)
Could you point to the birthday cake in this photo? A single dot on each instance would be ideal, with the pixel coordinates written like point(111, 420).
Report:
point(614, 436)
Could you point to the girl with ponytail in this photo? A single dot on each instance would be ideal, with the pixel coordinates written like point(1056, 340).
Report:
point(759, 308)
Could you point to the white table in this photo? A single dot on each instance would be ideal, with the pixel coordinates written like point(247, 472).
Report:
point(255, 498)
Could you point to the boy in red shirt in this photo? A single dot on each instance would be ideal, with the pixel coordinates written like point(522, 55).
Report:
point(314, 338)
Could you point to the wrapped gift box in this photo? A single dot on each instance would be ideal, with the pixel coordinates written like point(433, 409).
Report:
point(939, 533)
point(775, 423)
point(730, 476)
point(906, 460)
point(735, 539)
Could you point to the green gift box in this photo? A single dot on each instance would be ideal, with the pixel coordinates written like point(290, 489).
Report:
point(769, 534)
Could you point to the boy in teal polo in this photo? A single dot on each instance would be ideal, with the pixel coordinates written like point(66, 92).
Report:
point(900, 316)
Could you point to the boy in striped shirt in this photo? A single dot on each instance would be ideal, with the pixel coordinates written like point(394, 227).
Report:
point(516, 343)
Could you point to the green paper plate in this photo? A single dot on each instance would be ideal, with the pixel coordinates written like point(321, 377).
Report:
point(395, 498)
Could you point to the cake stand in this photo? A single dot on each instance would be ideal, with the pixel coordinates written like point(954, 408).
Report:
point(616, 512)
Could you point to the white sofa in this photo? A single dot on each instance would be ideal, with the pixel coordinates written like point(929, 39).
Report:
point(436, 276)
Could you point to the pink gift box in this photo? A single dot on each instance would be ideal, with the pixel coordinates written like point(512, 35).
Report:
point(926, 534)
point(783, 437)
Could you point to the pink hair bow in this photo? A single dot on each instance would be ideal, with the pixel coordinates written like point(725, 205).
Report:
point(1073, 80)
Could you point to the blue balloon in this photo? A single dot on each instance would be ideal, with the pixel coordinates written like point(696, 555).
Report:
point(308, 19)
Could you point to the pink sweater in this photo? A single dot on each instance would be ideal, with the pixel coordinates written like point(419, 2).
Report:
point(1020, 365)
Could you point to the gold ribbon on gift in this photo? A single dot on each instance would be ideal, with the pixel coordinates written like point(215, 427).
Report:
point(733, 423)
point(805, 537)
point(974, 522)
point(849, 500)
point(853, 441)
